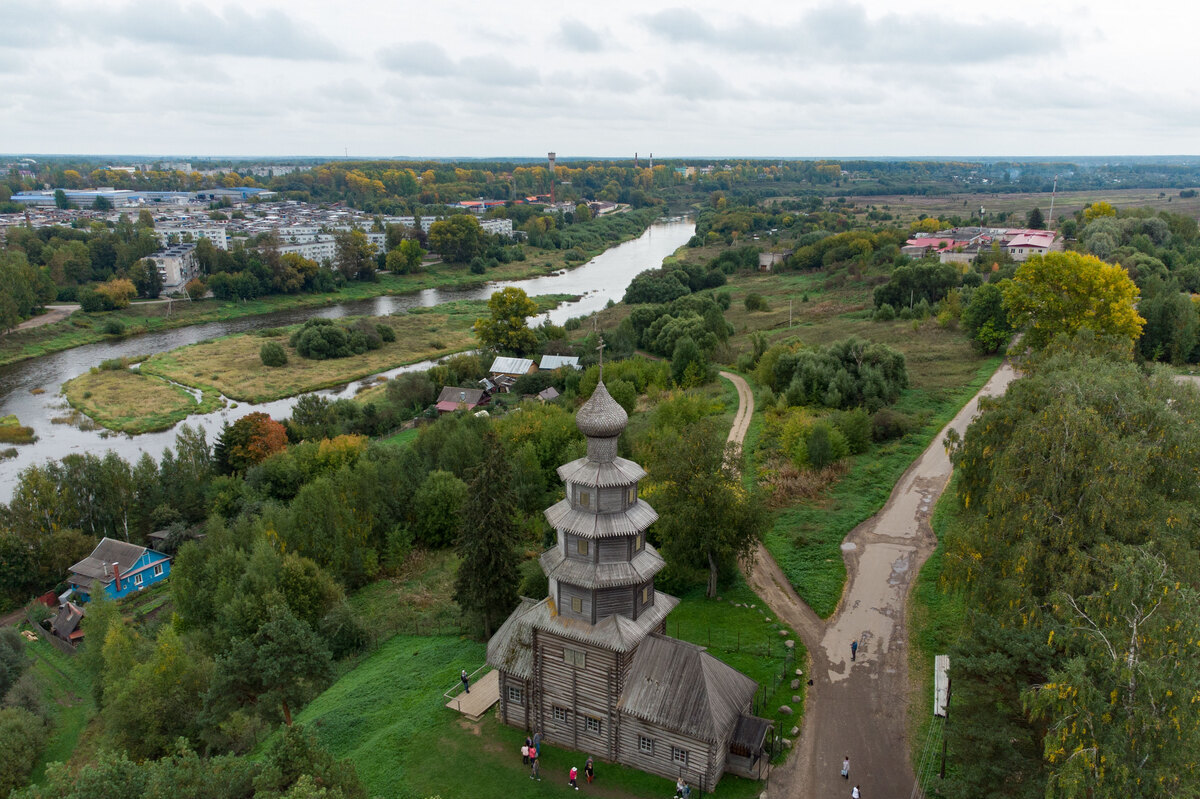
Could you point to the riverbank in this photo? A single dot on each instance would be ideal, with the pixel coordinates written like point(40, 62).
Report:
point(157, 396)
point(79, 328)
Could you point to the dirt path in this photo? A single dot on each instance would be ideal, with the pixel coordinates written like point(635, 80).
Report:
point(54, 313)
point(858, 709)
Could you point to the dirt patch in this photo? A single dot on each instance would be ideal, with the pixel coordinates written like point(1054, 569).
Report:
point(473, 728)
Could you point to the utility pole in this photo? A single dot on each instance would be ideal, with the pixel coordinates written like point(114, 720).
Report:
point(1053, 190)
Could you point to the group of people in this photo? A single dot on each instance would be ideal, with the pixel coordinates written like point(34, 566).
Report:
point(682, 789)
point(532, 750)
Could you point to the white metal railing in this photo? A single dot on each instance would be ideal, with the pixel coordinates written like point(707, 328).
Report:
point(455, 692)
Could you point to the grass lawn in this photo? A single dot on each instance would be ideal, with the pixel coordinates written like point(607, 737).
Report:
point(130, 402)
point(68, 695)
point(403, 438)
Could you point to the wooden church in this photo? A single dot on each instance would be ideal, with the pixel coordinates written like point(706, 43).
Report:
point(590, 666)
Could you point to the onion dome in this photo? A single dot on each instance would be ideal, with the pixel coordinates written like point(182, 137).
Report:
point(601, 416)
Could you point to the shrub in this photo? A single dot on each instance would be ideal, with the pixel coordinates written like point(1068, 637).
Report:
point(825, 445)
point(272, 354)
point(756, 302)
point(855, 425)
point(385, 333)
point(885, 313)
point(90, 301)
point(887, 424)
point(113, 327)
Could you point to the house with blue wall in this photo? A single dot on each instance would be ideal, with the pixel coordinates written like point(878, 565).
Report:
point(118, 569)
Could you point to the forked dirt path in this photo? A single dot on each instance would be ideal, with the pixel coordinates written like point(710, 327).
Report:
point(859, 709)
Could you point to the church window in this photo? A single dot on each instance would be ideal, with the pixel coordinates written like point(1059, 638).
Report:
point(646, 745)
point(573, 657)
point(560, 714)
point(591, 725)
point(576, 604)
point(581, 546)
point(584, 499)
point(514, 694)
point(645, 594)
point(639, 542)
point(679, 756)
point(632, 495)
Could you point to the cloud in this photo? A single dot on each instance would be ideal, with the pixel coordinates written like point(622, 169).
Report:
point(417, 58)
point(494, 70)
point(579, 37)
point(347, 92)
point(846, 32)
point(29, 24)
point(696, 82)
point(426, 59)
point(681, 25)
point(199, 29)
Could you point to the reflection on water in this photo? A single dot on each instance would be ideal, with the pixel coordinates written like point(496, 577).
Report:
point(596, 282)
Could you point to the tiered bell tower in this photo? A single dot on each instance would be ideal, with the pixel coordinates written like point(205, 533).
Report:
point(601, 564)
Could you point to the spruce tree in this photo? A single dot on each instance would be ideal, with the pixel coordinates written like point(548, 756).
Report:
point(488, 571)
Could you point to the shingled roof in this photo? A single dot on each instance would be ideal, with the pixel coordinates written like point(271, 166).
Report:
point(97, 565)
point(586, 574)
point(511, 648)
point(616, 633)
point(631, 521)
point(679, 686)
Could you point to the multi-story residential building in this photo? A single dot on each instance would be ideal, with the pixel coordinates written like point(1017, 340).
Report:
point(176, 266)
point(183, 234)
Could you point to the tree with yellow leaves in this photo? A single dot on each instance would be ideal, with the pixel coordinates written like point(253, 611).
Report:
point(505, 330)
point(1064, 292)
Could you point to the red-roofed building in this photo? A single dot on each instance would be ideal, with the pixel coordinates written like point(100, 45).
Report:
point(922, 246)
point(1031, 242)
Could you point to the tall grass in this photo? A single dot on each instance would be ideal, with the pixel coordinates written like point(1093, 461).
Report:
point(806, 538)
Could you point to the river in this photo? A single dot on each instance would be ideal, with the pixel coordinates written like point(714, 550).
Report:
point(603, 278)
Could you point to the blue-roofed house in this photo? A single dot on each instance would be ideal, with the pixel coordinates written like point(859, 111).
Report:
point(118, 569)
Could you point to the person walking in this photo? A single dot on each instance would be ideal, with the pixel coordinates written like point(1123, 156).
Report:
point(679, 788)
point(846, 768)
point(466, 681)
point(687, 791)
point(589, 771)
point(572, 774)
point(525, 750)
point(853, 650)
point(855, 794)
point(535, 773)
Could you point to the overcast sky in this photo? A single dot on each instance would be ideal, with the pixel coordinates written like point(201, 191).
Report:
point(610, 78)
